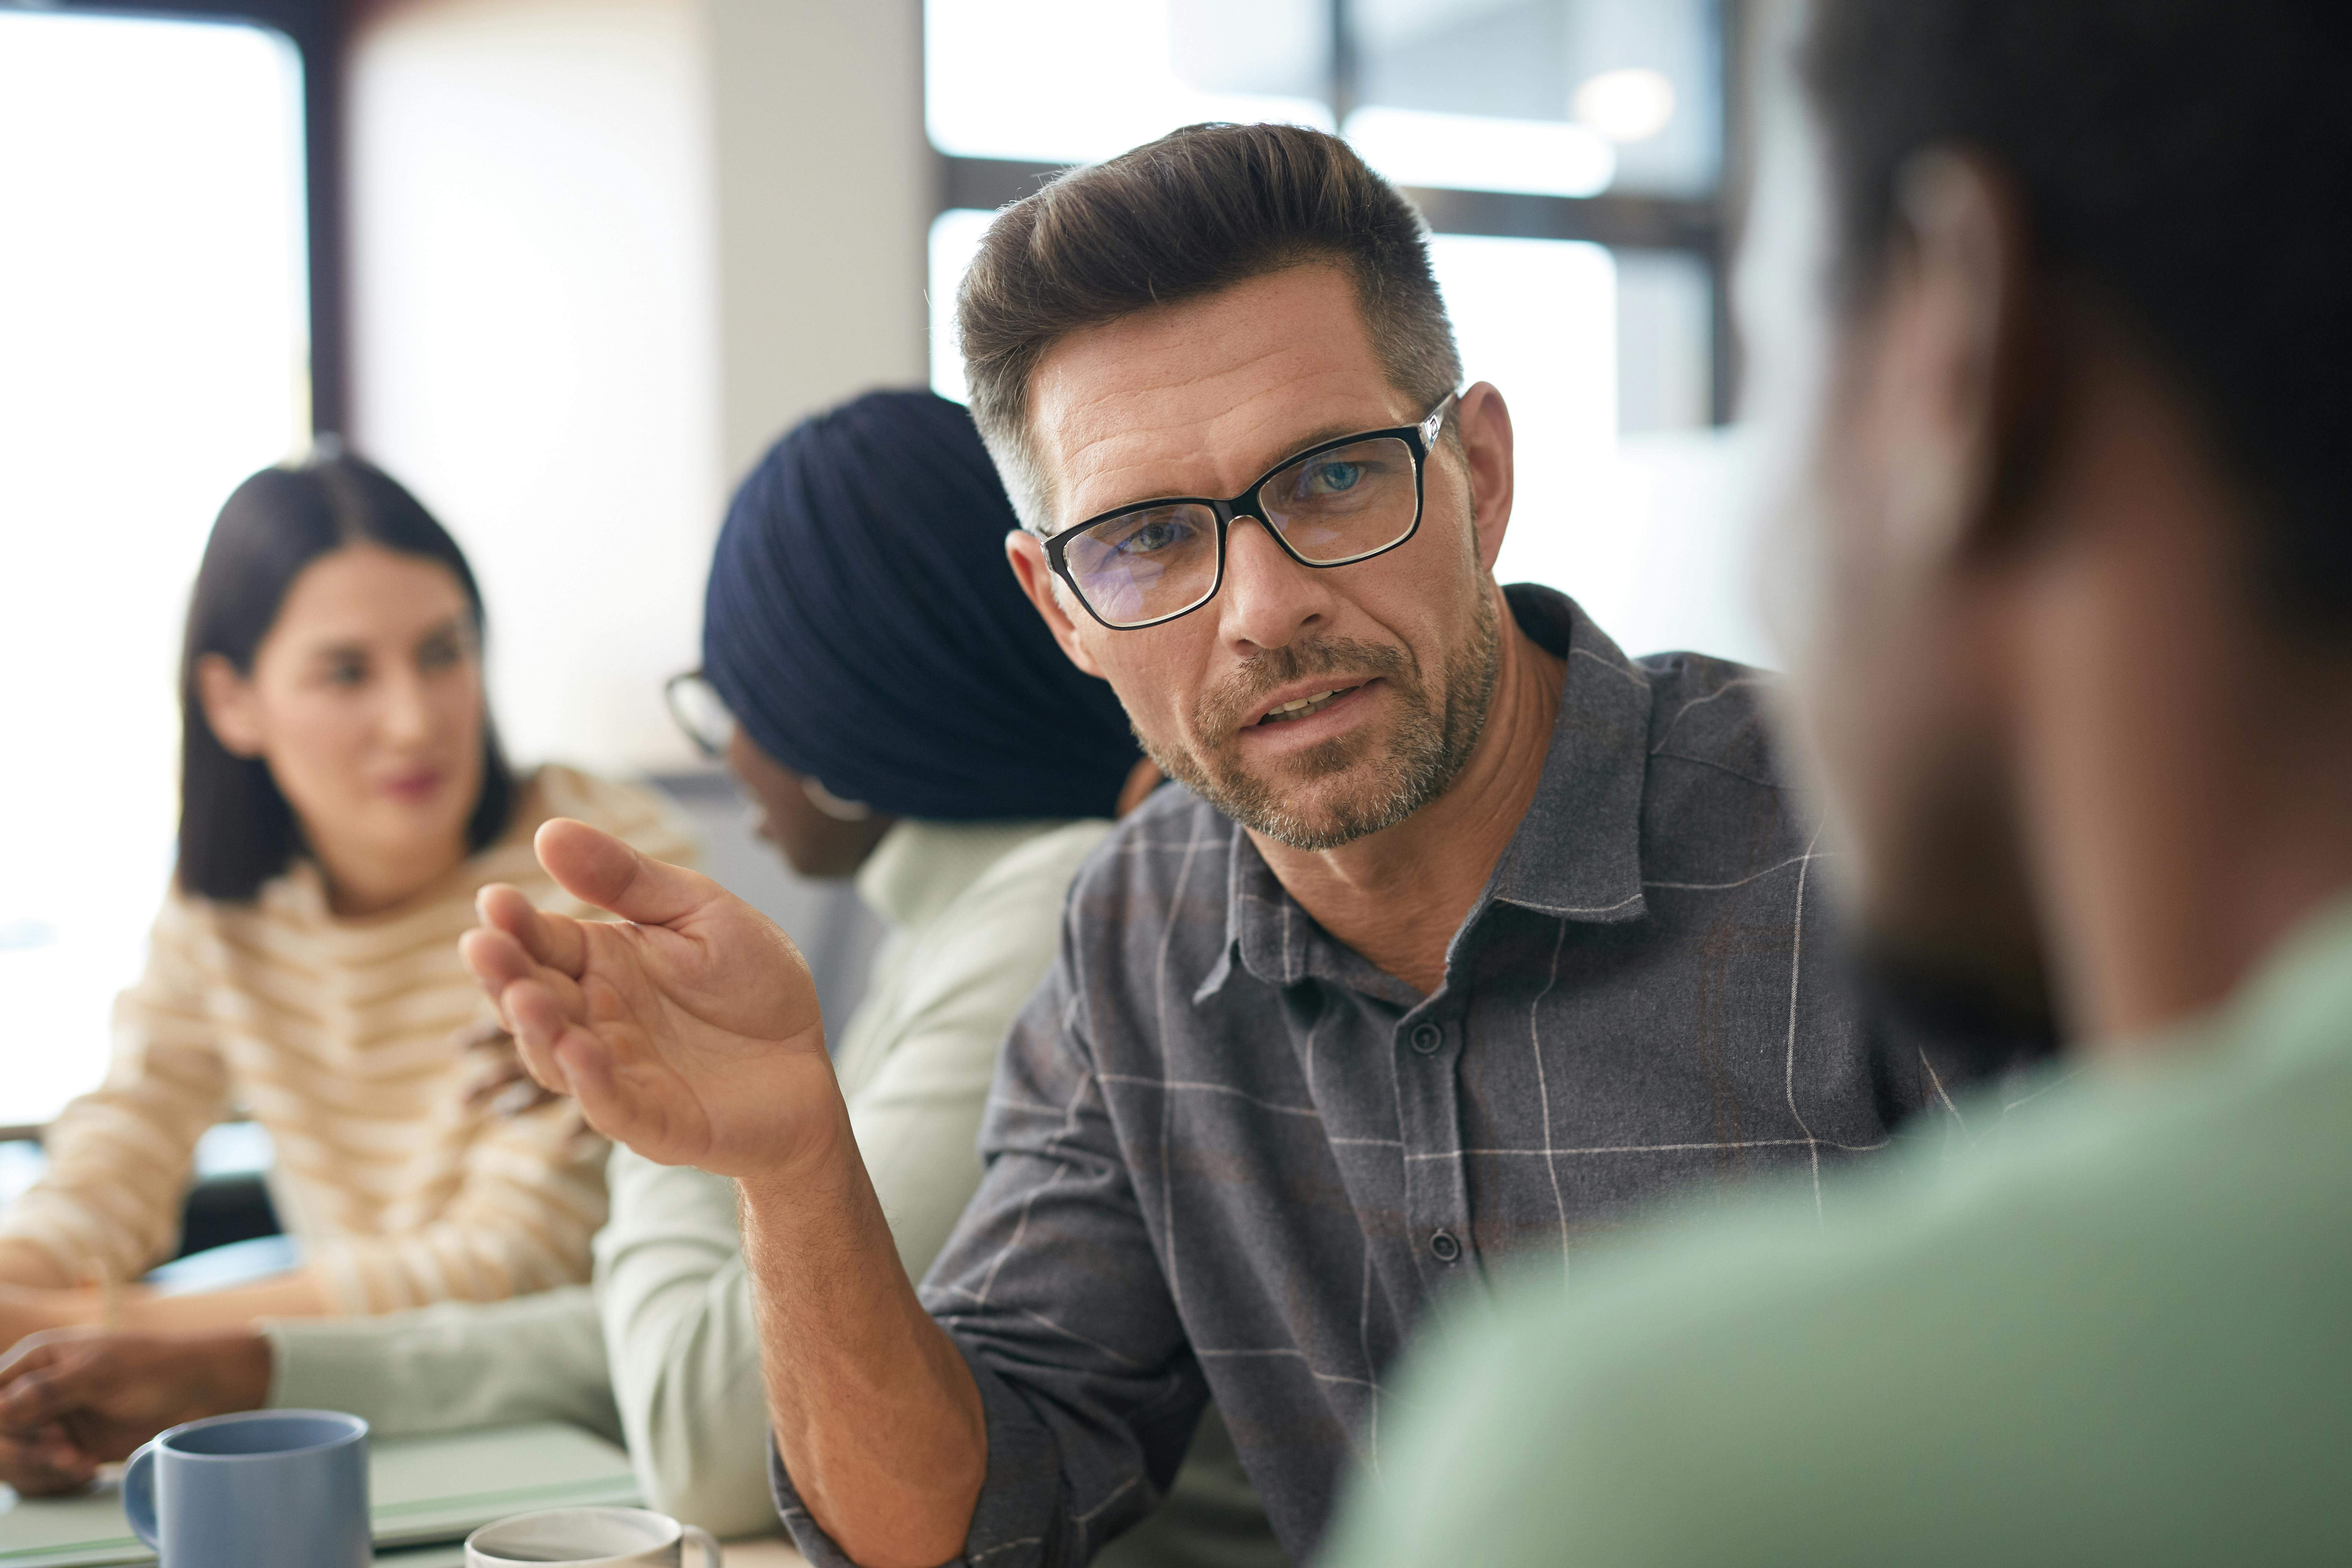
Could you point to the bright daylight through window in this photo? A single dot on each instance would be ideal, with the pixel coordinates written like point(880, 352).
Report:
point(153, 352)
point(1506, 119)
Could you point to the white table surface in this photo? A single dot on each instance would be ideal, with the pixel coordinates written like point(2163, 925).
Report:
point(768, 1554)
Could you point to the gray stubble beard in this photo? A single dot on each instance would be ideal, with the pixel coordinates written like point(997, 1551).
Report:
point(1433, 742)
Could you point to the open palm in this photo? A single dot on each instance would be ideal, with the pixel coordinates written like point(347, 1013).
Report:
point(688, 1030)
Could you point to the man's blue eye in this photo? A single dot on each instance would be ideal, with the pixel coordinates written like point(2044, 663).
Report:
point(1153, 535)
point(1331, 478)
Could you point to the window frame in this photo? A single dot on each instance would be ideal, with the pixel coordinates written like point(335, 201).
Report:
point(319, 31)
point(1702, 227)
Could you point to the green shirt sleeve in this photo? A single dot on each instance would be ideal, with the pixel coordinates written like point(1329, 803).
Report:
point(926, 1039)
point(451, 1366)
point(684, 1350)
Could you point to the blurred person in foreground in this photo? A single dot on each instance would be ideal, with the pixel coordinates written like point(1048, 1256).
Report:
point(861, 648)
point(1463, 932)
point(342, 795)
point(2078, 547)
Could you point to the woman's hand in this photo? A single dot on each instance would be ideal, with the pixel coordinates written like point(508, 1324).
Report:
point(689, 1030)
point(498, 1083)
point(77, 1398)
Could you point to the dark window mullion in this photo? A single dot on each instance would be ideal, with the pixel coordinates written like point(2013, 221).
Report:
point(1696, 227)
point(1648, 223)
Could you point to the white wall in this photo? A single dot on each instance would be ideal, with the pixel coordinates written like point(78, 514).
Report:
point(603, 251)
point(824, 184)
point(532, 265)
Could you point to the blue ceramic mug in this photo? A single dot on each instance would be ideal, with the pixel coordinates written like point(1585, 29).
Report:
point(261, 1488)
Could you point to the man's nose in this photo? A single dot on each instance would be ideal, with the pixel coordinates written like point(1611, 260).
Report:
point(1268, 600)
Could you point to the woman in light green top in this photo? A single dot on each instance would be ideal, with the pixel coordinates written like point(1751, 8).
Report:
point(968, 867)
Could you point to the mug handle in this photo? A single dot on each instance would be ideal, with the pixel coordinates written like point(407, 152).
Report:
point(139, 1495)
point(711, 1557)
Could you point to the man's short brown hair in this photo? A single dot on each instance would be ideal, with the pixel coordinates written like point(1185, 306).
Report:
point(1198, 210)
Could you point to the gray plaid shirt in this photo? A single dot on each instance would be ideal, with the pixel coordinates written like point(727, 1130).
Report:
point(1227, 1156)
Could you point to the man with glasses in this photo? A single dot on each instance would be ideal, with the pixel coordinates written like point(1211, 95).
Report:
point(1466, 932)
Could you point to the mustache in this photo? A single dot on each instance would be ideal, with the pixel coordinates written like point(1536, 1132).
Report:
point(1221, 709)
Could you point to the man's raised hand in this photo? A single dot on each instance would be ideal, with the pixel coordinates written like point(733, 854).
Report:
point(687, 1029)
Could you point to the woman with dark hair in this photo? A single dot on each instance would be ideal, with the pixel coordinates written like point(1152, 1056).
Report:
point(877, 682)
point(342, 796)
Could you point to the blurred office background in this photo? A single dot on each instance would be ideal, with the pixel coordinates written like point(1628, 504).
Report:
point(564, 266)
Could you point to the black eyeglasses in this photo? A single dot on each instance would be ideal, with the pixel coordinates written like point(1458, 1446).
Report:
point(701, 712)
point(1331, 505)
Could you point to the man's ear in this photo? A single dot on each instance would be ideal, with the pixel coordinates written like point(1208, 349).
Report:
point(1027, 553)
point(1485, 423)
point(1955, 367)
point(229, 706)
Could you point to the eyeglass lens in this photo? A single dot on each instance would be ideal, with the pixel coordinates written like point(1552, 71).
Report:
point(699, 711)
point(1333, 507)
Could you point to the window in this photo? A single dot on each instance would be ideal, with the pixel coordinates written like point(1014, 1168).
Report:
point(1569, 157)
point(154, 310)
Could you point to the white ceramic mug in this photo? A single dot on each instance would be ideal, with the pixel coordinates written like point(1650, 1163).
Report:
point(588, 1538)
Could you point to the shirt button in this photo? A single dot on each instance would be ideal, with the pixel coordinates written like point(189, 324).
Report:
point(1445, 1247)
point(1426, 1038)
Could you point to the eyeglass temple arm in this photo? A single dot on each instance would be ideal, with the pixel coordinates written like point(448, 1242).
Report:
point(1435, 421)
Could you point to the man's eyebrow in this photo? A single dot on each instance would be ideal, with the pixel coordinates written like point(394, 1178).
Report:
point(1328, 433)
point(1290, 449)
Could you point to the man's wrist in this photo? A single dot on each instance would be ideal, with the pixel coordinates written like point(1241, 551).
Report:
point(822, 1165)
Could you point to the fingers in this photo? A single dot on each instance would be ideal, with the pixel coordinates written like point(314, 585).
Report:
point(49, 1379)
point(551, 940)
point(489, 1035)
point(24, 1401)
point(521, 1098)
point(593, 866)
point(40, 1397)
point(505, 1088)
point(587, 1067)
point(490, 1081)
point(540, 1020)
point(496, 959)
point(499, 1085)
point(44, 1463)
point(501, 964)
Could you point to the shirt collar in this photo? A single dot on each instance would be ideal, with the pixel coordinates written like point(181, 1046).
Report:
point(918, 868)
point(1575, 856)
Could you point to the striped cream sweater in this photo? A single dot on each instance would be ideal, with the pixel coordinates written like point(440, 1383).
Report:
point(338, 1035)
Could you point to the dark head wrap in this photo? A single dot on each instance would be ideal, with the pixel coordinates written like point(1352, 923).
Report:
point(865, 630)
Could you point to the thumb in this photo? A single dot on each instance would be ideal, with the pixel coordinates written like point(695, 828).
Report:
point(598, 868)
